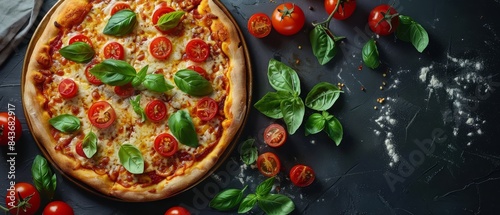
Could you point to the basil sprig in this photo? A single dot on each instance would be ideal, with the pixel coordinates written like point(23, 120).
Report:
point(269, 202)
point(285, 103)
point(141, 75)
point(248, 152)
point(370, 54)
point(136, 105)
point(169, 20)
point(66, 123)
point(131, 158)
point(156, 83)
point(192, 83)
point(324, 121)
point(121, 23)
point(411, 31)
point(89, 144)
point(182, 127)
point(43, 178)
point(114, 72)
point(79, 52)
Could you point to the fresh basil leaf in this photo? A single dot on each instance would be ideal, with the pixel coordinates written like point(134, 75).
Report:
point(322, 96)
point(156, 83)
point(89, 144)
point(283, 78)
point(334, 130)
point(269, 104)
point(419, 37)
point(66, 123)
point(264, 187)
point(121, 23)
point(322, 44)
point(131, 158)
point(192, 83)
point(248, 152)
point(79, 52)
point(169, 20)
point(315, 123)
point(403, 30)
point(114, 72)
point(227, 199)
point(370, 54)
point(293, 113)
point(43, 178)
point(276, 204)
point(181, 125)
point(141, 75)
point(248, 203)
point(136, 105)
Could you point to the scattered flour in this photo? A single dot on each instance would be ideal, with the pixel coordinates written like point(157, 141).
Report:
point(386, 125)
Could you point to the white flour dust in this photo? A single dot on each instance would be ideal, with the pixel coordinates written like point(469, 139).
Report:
point(386, 125)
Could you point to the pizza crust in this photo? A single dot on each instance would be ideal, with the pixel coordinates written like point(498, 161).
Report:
point(67, 14)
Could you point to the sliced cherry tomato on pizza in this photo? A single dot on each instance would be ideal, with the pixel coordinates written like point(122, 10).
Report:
point(58, 208)
point(160, 48)
point(91, 78)
point(119, 6)
point(21, 191)
point(114, 50)
point(80, 38)
point(162, 10)
point(10, 128)
point(125, 91)
point(79, 149)
point(275, 135)
point(259, 25)
point(197, 50)
point(199, 70)
point(166, 145)
point(68, 88)
point(177, 210)
point(383, 20)
point(268, 164)
point(156, 110)
point(206, 108)
point(101, 114)
point(345, 10)
point(302, 175)
point(288, 19)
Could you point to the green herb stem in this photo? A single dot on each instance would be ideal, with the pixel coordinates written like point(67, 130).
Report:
point(327, 21)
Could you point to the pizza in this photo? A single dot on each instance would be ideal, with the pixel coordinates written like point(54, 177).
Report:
point(136, 99)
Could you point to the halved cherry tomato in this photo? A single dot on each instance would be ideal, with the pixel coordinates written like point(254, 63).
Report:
point(288, 19)
point(80, 38)
point(197, 50)
point(345, 10)
point(177, 210)
point(21, 191)
point(156, 110)
point(68, 88)
point(79, 149)
point(58, 208)
point(91, 78)
point(268, 164)
point(275, 135)
point(160, 48)
point(114, 50)
point(199, 70)
point(162, 10)
point(259, 25)
point(119, 6)
point(302, 175)
point(10, 128)
point(206, 108)
point(383, 20)
point(101, 114)
point(125, 91)
point(166, 145)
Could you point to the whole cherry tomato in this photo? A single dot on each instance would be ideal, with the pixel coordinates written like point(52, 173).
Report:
point(30, 196)
point(58, 208)
point(345, 10)
point(383, 20)
point(288, 19)
point(177, 210)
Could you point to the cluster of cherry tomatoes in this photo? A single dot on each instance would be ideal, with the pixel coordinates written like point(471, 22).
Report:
point(288, 18)
point(27, 202)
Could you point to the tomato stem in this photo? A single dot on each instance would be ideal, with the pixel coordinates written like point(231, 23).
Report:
point(326, 23)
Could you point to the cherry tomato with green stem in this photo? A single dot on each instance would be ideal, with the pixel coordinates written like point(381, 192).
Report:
point(24, 199)
point(383, 20)
point(288, 19)
point(345, 8)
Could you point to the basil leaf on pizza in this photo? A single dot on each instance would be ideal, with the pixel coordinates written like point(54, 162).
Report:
point(139, 78)
point(192, 83)
point(121, 23)
point(66, 123)
point(114, 72)
point(156, 83)
point(169, 20)
point(79, 52)
point(131, 158)
point(182, 127)
point(89, 144)
point(135, 102)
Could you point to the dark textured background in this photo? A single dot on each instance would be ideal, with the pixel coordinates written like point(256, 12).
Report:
point(459, 175)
